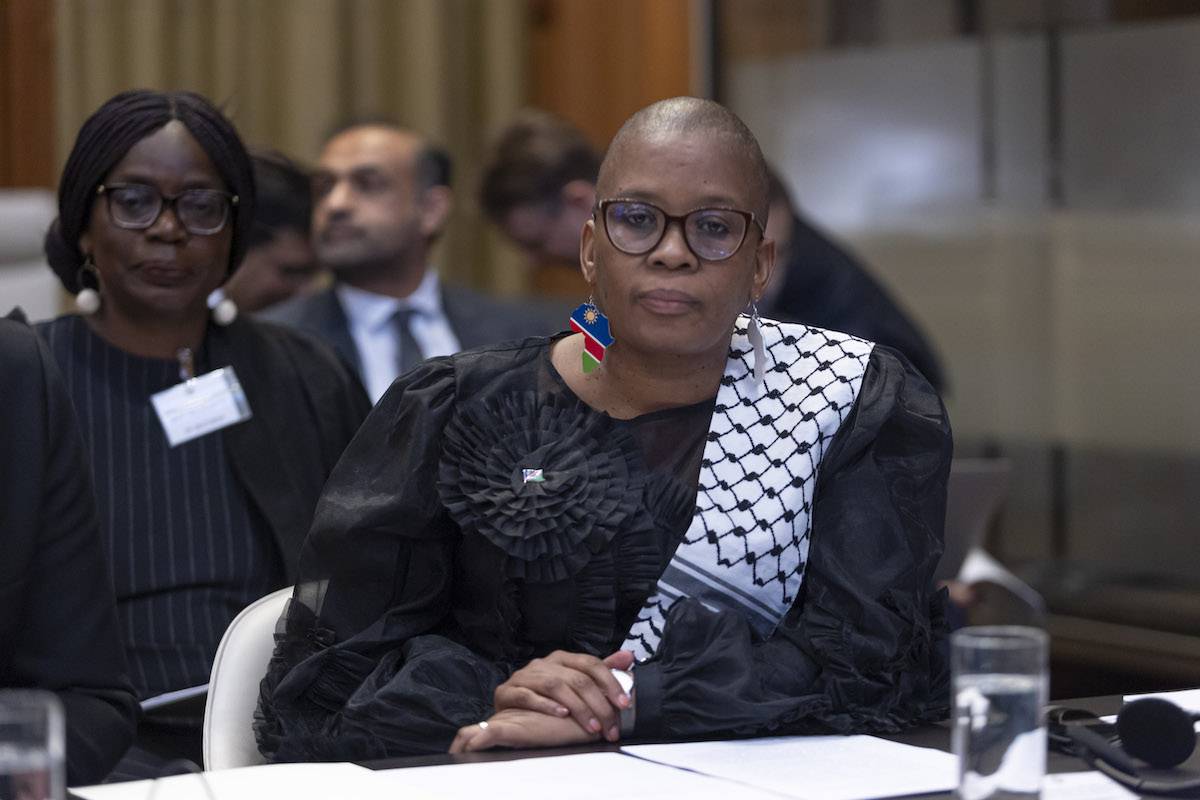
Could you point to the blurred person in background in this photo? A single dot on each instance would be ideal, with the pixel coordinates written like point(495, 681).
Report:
point(819, 283)
point(209, 436)
point(279, 262)
point(381, 200)
point(58, 621)
point(539, 186)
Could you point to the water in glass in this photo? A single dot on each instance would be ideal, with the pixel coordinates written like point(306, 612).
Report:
point(998, 736)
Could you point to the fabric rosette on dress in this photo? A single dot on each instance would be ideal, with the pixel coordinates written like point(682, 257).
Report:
point(547, 481)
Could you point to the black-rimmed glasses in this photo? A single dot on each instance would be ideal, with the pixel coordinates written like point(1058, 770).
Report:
point(635, 227)
point(136, 206)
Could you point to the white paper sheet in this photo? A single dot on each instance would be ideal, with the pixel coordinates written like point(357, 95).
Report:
point(1187, 698)
point(815, 767)
point(1083, 786)
point(291, 781)
point(160, 700)
point(592, 776)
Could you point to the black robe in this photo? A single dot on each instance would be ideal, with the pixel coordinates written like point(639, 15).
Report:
point(415, 605)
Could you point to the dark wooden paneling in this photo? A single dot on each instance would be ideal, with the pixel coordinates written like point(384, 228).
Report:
point(26, 93)
point(597, 63)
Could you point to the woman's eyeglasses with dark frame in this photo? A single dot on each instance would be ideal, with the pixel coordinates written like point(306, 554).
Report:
point(635, 227)
point(136, 206)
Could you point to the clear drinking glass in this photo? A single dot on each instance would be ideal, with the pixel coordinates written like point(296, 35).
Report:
point(1001, 683)
point(31, 746)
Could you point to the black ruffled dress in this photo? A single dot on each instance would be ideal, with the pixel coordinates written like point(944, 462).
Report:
point(441, 560)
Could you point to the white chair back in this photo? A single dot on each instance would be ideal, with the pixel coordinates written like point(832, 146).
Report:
point(238, 668)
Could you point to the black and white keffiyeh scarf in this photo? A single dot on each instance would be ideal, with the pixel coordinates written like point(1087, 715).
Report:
point(747, 546)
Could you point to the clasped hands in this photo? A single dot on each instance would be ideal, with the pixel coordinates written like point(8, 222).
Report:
point(564, 698)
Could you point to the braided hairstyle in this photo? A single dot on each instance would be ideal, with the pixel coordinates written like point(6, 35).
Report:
point(110, 133)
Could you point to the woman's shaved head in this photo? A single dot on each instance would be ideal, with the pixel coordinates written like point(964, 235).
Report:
point(692, 116)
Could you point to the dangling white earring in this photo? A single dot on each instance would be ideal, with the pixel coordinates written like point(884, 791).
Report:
point(224, 310)
point(87, 302)
point(756, 342)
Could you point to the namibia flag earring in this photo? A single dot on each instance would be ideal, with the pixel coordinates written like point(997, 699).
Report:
point(588, 320)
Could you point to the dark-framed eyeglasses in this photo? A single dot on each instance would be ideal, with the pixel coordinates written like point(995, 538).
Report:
point(136, 206)
point(635, 227)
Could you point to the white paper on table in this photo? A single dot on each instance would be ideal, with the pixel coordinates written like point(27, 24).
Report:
point(293, 781)
point(1083, 786)
point(590, 776)
point(166, 699)
point(1111, 719)
point(1187, 698)
point(825, 767)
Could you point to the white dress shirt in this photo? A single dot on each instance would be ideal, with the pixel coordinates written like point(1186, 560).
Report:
point(371, 326)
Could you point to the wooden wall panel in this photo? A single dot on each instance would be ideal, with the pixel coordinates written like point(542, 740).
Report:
point(597, 63)
point(288, 71)
point(26, 93)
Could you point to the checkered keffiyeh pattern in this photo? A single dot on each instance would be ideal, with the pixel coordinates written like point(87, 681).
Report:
point(747, 546)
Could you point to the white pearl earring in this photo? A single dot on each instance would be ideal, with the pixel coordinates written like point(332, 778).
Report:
point(224, 310)
point(87, 301)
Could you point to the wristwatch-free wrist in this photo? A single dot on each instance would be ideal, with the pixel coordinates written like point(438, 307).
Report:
point(628, 716)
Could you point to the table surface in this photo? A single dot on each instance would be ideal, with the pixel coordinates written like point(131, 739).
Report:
point(935, 736)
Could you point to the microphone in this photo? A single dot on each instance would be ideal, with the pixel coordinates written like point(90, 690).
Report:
point(1157, 731)
point(1068, 729)
point(1154, 730)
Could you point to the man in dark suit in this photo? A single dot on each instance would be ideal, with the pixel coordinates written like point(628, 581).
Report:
point(58, 617)
point(381, 198)
point(818, 282)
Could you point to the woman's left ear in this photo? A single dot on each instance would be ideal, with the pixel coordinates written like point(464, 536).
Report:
point(764, 265)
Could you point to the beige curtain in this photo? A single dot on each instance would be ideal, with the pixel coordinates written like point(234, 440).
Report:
point(287, 71)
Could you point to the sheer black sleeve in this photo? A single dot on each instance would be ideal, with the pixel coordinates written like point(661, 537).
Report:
point(863, 648)
point(363, 667)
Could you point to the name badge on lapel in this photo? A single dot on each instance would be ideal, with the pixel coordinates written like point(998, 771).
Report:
point(199, 406)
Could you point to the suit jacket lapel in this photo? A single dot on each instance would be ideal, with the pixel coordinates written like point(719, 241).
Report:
point(326, 318)
point(469, 318)
point(454, 312)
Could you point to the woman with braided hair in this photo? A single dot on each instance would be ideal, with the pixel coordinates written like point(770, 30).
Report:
point(209, 435)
